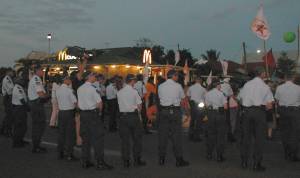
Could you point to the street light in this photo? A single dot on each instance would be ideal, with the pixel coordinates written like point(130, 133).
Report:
point(258, 51)
point(49, 37)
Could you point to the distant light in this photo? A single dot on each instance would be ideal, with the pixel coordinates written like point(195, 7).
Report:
point(160, 73)
point(138, 67)
point(113, 66)
point(73, 67)
point(201, 105)
point(127, 66)
point(57, 68)
point(49, 36)
point(258, 51)
point(44, 70)
point(90, 55)
point(61, 72)
point(96, 67)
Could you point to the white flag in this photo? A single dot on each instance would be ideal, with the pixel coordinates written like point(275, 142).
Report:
point(224, 67)
point(177, 57)
point(260, 25)
point(209, 78)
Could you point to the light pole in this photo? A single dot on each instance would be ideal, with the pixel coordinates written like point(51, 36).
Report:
point(49, 37)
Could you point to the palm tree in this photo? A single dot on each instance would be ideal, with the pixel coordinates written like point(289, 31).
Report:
point(286, 65)
point(212, 57)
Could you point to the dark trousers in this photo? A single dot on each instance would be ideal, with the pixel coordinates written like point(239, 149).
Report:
point(290, 129)
point(104, 101)
point(67, 133)
point(196, 122)
point(92, 134)
point(8, 118)
point(131, 128)
point(38, 116)
point(170, 126)
point(253, 125)
point(144, 116)
point(113, 112)
point(20, 124)
point(216, 132)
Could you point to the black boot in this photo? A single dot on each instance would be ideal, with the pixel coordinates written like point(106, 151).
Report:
point(60, 155)
point(71, 157)
point(39, 149)
point(209, 156)
point(244, 163)
point(139, 162)
point(161, 160)
point(258, 167)
point(294, 158)
point(86, 164)
point(180, 162)
point(220, 158)
point(126, 163)
point(102, 165)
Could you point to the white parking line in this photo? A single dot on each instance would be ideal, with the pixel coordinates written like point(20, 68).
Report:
point(107, 152)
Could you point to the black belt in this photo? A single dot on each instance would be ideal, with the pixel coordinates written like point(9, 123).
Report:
point(129, 113)
point(170, 107)
point(92, 110)
point(67, 110)
point(219, 109)
point(289, 107)
point(254, 107)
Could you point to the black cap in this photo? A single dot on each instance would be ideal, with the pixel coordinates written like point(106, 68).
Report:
point(87, 74)
point(215, 82)
point(130, 77)
point(171, 73)
point(20, 81)
point(37, 67)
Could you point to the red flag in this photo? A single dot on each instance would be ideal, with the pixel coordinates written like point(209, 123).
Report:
point(270, 59)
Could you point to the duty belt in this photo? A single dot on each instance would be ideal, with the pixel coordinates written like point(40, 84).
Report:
point(129, 113)
point(170, 107)
point(92, 110)
point(290, 107)
point(254, 107)
point(219, 109)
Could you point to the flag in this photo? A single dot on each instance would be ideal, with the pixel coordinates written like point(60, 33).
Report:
point(200, 62)
point(270, 59)
point(209, 78)
point(186, 71)
point(260, 25)
point(224, 67)
point(177, 57)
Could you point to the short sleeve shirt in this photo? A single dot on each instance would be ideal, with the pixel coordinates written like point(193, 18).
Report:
point(18, 94)
point(215, 98)
point(196, 92)
point(35, 86)
point(88, 98)
point(170, 93)
point(111, 92)
point(65, 98)
point(128, 99)
point(7, 85)
point(288, 94)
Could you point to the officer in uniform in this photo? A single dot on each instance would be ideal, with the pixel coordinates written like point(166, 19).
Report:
point(7, 89)
point(171, 95)
point(91, 125)
point(19, 108)
point(66, 104)
point(288, 99)
point(196, 95)
point(111, 96)
point(255, 98)
point(130, 124)
point(37, 97)
point(216, 104)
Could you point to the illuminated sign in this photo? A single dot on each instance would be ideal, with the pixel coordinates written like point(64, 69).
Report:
point(147, 57)
point(62, 56)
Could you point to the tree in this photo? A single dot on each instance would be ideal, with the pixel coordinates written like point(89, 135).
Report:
point(170, 57)
point(185, 54)
point(212, 57)
point(285, 65)
point(158, 54)
point(144, 43)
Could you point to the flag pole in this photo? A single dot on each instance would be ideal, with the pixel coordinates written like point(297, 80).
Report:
point(266, 59)
point(298, 54)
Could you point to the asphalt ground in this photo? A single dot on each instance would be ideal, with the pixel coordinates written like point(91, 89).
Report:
point(21, 163)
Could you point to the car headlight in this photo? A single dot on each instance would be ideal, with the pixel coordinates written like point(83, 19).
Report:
point(201, 105)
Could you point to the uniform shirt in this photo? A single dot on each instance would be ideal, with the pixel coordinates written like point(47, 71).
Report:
point(196, 92)
point(140, 87)
point(7, 86)
point(128, 99)
point(256, 93)
point(18, 94)
point(215, 98)
point(88, 98)
point(65, 98)
point(288, 94)
point(226, 89)
point(111, 92)
point(170, 93)
point(35, 86)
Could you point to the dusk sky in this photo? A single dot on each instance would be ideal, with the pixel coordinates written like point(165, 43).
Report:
point(197, 25)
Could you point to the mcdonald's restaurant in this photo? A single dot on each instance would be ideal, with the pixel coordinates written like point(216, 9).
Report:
point(109, 62)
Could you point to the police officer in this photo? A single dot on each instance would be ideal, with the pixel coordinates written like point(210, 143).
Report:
point(111, 96)
point(255, 97)
point(288, 98)
point(171, 95)
point(66, 104)
point(7, 89)
point(91, 125)
point(196, 95)
point(37, 97)
point(216, 104)
point(130, 124)
point(19, 108)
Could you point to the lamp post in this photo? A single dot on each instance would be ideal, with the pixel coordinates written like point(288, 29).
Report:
point(49, 37)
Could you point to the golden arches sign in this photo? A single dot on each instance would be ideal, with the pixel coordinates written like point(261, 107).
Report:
point(147, 57)
point(62, 56)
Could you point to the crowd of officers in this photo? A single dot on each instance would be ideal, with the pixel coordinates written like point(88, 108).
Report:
point(213, 108)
